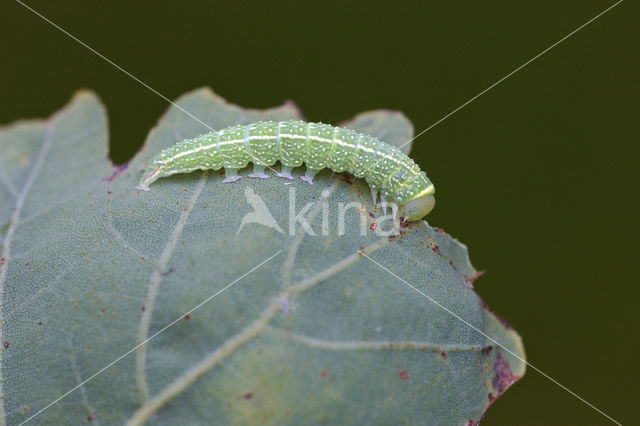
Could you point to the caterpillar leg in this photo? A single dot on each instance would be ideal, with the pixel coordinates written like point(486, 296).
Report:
point(285, 173)
point(374, 196)
point(308, 176)
point(231, 175)
point(383, 202)
point(258, 172)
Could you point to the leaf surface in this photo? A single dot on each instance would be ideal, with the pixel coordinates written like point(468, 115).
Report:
point(289, 327)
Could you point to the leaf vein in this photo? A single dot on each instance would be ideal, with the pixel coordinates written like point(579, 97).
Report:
point(154, 283)
point(83, 390)
point(214, 358)
point(295, 245)
point(45, 288)
point(308, 283)
point(56, 204)
point(204, 365)
point(370, 345)
point(15, 220)
point(121, 240)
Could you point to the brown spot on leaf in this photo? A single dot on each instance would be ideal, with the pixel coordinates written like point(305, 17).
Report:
point(373, 226)
point(187, 317)
point(443, 355)
point(142, 308)
point(504, 377)
point(169, 272)
point(452, 264)
point(436, 249)
point(247, 396)
point(6, 345)
point(471, 423)
point(2, 261)
point(90, 419)
point(404, 375)
point(39, 322)
point(323, 374)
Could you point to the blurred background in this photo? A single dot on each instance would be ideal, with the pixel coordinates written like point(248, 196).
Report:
point(538, 176)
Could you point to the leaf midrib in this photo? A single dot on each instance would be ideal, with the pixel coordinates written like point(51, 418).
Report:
point(260, 324)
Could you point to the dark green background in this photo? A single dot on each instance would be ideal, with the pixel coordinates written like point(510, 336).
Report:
point(538, 176)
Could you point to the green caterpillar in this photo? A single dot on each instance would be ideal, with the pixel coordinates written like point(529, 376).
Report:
point(293, 143)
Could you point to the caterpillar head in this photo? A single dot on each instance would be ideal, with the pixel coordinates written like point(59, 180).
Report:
point(419, 206)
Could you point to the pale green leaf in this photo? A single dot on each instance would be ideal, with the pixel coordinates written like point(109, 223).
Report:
point(318, 334)
point(393, 127)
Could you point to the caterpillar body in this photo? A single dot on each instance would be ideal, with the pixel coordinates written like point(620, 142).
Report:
point(294, 143)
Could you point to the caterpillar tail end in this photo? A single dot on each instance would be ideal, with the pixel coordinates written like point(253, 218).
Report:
point(151, 174)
